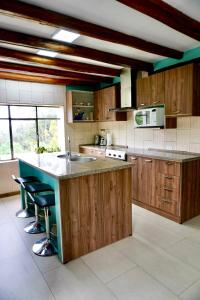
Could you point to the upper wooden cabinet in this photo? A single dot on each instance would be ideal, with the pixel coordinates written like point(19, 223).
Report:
point(150, 90)
point(178, 88)
point(105, 99)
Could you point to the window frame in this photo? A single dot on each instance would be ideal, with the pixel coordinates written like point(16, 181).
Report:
point(36, 119)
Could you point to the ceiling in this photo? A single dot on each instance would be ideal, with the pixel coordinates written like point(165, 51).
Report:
point(110, 14)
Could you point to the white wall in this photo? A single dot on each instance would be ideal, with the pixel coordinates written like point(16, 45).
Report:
point(7, 184)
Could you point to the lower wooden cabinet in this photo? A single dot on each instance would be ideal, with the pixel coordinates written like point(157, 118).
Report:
point(146, 180)
point(169, 188)
point(92, 151)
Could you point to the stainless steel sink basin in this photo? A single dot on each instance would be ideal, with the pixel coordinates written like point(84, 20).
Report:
point(82, 158)
point(77, 157)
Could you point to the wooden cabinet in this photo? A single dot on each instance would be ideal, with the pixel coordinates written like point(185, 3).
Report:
point(179, 90)
point(134, 160)
point(79, 106)
point(150, 90)
point(105, 99)
point(146, 183)
point(92, 151)
point(167, 194)
point(168, 188)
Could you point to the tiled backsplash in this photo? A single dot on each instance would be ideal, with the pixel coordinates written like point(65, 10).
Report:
point(186, 137)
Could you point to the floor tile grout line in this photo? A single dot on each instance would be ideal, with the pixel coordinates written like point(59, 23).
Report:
point(184, 290)
point(98, 277)
point(170, 254)
point(161, 283)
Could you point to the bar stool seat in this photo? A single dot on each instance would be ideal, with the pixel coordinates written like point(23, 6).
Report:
point(33, 189)
point(24, 213)
point(45, 247)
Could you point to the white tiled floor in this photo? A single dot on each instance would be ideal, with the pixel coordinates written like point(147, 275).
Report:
point(161, 261)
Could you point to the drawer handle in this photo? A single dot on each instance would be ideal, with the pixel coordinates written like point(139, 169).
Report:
point(168, 189)
point(148, 160)
point(155, 102)
point(169, 163)
point(169, 177)
point(166, 200)
point(133, 158)
point(177, 112)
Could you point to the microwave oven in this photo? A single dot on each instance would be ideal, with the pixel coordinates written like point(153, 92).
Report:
point(150, 117)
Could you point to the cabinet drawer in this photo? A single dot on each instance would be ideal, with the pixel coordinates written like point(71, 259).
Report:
point(167, 205)
point(132, 159)
point(167, 193)
point(168, 167)
point(167, 180)
point(99, 153)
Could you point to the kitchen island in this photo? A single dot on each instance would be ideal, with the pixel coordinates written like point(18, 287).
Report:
point(93, 201)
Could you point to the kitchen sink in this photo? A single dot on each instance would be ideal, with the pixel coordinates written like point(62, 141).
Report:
point(77, 157)
point(82, 158)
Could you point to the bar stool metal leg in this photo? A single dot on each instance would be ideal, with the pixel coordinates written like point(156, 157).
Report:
point(44, 247)
point(35, 226)
point(24, 213)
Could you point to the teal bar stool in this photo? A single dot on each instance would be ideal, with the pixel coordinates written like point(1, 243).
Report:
point(44, 247)
point(33, 189)
point(24, 213)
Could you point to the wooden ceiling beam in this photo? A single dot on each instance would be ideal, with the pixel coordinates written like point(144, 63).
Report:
point(53, 72)
point(167, 14)
point(58, 62)
point(26, 40)
point(53, 18)
point(32, 78)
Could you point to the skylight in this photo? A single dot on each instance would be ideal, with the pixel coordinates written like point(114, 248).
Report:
point(47, 53)
point(65, 36)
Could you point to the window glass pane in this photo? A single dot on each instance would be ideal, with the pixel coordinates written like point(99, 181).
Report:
point(24, 136)
point(22, 112)
point(49, 136)
point(49, 112)
point(3, 111)
point(5, 152)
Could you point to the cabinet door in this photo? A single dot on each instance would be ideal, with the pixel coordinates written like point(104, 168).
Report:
point(143, 92)
point(179, 91)
point(134, 161)
point(146, 180)
point(98, 113)
point(108, 101)
point(157, 84)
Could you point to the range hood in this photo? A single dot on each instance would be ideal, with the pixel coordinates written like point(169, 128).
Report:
point(128, 91)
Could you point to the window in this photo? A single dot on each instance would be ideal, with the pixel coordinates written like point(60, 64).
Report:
point(25, 128)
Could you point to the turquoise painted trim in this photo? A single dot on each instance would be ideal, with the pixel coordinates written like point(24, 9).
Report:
point(55, 218)
point(167, 62)
point(92, 87)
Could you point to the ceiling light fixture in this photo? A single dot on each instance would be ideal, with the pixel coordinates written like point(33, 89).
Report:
point(65, 36)
point(47, 53)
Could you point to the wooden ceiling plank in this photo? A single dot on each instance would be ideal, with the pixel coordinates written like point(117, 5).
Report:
point(58, 62)
point(53, 72)
point(26, 40)
point(53, 18)
point(166, 14)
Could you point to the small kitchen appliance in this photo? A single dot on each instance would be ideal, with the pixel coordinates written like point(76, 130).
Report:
point(116, 153)
point(150, 117)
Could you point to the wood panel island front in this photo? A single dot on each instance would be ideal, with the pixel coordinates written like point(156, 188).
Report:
point(93, 201)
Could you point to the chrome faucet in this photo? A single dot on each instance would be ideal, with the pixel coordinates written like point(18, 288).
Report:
point(69, 150)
